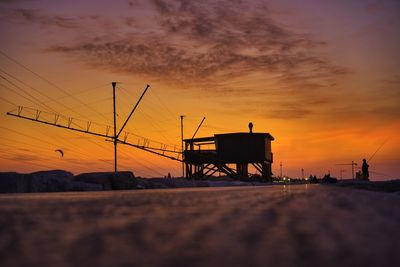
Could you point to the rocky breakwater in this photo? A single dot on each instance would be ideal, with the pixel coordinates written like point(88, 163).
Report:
point(63, 181)
point(107, 180)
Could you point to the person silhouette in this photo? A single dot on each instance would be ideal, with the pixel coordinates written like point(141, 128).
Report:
point(364, 169)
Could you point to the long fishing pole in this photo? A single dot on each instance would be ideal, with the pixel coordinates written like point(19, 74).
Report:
point(379, 148)
point(380, 173)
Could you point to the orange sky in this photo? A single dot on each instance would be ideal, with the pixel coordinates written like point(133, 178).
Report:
point(321, 76)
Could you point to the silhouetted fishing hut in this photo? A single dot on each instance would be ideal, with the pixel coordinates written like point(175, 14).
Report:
point(207, 155)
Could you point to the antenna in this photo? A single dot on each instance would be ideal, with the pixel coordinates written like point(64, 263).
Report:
point(183, 154)
point(352, 167)
point(115, 131)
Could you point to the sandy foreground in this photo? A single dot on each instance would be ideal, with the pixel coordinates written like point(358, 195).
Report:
point(296, 225)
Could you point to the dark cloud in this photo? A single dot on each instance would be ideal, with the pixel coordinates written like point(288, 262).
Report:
point(25, 157)
point(375, 7)
point(12, 1)
point(289, 113)
point(388, 92)
point(380, 6)
point(292, 107)
point(133, 3)
point(79, 25)
point(204, 45)
point(386, 112)
point(394, 81)
point(36, 17)
point(206, 42)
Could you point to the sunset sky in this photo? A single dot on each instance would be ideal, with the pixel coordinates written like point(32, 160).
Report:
point(323, 77)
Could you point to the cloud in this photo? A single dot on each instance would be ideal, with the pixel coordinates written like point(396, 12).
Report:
point(25, 157)
point(375, 7)
point(36, 17)
point(203, 45)
point(379, 6)
point(386, 111)
point(207, 42)
point(394, 81)
point(79, 24)
point(12, 1)
point(289, 113)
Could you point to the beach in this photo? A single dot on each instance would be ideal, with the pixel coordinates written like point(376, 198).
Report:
point(276, 225)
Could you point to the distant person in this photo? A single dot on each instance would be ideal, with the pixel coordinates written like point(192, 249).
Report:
point(364, 169)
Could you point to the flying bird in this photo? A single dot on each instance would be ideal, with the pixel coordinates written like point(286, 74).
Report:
point(61, 152)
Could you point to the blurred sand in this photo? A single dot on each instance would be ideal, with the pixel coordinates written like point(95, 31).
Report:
point(297, 225)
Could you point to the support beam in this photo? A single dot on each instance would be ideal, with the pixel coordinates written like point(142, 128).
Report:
point(258, 167)
point(133, 110)
point(198, 127)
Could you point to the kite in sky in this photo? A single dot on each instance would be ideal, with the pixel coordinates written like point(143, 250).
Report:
point(61, 152)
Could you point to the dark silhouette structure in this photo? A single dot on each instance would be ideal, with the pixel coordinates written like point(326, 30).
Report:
point(313, 179)
point(208, 155)
point(364, 169)
point(251, 127)
point(108, 132)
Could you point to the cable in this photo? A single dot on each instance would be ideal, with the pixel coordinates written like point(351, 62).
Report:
point(47, 142)
point(8, 101)
point(23, 143)
point(36, 90)
point(150, 119)
point(23, 90)
point(157, 110)
point(12, 90)
point(32, 97)
point(30, 163)
point(49, 82)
